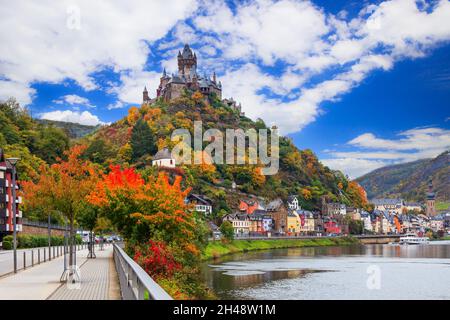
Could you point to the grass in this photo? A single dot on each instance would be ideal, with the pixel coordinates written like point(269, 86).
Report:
point(442, 206)
point(217, 249)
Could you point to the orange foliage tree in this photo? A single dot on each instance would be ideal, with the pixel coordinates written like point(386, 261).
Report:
point(63, 187)
point(153, 210)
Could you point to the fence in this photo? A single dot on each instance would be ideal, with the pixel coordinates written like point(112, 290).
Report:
point(135, 283)
point(27, 258)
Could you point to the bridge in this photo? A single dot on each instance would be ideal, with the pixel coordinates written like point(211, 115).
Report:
point(378, 238)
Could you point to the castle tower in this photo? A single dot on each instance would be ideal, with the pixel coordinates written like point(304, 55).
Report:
point(431, 197)
point(145, 96)
point(187, 61)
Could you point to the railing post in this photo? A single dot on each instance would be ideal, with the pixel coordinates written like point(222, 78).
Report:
point(45, 255)
point(24, 260)
point(39, 256)
point(32, 257)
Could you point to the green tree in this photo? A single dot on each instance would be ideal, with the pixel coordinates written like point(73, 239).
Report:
point(142, 140)
point(227, 230)
point(51, 143)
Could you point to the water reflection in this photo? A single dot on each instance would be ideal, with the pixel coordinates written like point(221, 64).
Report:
point(420, 272)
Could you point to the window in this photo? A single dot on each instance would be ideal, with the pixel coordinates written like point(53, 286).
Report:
point(2, 175)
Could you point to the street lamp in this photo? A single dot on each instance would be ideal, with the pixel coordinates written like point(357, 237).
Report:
point(12, 162)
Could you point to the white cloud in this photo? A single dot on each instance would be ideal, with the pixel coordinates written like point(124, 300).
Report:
point(84, 117)
point(311, 42)
point(74, 99)
point(353, 167)
point(373, 152)
point(307, 41)
point(41, 41)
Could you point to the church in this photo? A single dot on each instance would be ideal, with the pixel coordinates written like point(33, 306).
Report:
point(172, 87)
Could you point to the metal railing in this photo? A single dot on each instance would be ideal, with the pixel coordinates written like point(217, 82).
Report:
point(135, 283)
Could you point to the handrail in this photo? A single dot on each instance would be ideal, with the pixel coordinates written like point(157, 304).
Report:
point(135, 283)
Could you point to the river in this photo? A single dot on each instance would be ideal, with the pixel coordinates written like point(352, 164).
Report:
point(347, 272)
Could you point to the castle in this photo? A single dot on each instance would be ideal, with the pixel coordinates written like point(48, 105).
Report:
point(171, 87)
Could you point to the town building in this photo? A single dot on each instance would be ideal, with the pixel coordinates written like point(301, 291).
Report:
point(241, 223)
point(365, 218)
point(293, 223)
point(413, 206)
point(334, 209)
point(307, 225)
point(6, 199)
point(201, 203)
point(391, 205)
point(431, 199)
point(186, 79)
point(331, 226)
point(249, 206)
point(163, 158)
point(279, 214)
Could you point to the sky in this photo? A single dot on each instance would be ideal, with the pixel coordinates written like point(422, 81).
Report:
point(363, 84)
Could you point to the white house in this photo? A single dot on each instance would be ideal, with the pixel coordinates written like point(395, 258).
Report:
point(163, 158)
point(201, 203)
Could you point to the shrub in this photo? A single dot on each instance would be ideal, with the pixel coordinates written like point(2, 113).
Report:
point(156, 259)
point(7, 245)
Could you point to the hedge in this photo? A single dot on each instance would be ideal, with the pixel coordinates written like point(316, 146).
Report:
point(34, 241)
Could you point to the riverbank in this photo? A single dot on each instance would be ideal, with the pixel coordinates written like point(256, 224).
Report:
point(216, 249)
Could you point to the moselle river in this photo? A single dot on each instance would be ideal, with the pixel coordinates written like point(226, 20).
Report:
point(348, 272)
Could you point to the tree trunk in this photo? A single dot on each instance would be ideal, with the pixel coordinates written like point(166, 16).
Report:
point(71, 240)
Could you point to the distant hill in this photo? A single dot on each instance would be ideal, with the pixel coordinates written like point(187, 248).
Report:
point(409, 180)
point(73, 130)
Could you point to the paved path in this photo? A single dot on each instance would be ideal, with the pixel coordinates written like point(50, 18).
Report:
point(31, 255)
point(98, 280)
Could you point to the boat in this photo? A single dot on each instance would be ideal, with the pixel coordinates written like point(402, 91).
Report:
point(412, 238)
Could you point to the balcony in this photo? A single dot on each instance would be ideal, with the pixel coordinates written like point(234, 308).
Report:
point(4, 198)
point(4, 212)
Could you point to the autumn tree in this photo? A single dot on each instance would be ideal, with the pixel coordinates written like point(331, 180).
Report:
point(63, 188)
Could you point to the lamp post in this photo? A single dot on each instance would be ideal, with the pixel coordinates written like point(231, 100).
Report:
point(12, 162)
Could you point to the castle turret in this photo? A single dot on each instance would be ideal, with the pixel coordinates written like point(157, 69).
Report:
point(187, 61)
point(145, 96)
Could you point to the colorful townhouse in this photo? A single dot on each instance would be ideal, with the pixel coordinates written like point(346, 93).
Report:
point(279, 214)
point(241, 223)
point(6, 199)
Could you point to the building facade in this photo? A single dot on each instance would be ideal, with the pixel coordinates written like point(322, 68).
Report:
point(163, 158)
point(6, 199)
point(201, 203)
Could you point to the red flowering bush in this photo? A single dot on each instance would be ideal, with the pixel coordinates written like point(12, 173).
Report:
point(156, 259)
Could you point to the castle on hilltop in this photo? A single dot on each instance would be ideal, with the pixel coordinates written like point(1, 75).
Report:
point(171, 87)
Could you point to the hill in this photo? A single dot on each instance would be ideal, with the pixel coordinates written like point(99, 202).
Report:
point(300, 171)
point(73, 130)
point(409, 180)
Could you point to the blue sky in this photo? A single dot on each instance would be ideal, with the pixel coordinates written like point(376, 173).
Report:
point(362, 83)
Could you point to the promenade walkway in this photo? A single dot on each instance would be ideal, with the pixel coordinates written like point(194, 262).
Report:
point(98, 280)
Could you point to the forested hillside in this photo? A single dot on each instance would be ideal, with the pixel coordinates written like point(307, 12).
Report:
point(410, 180)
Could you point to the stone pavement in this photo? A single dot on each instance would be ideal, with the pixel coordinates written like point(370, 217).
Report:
point(98, 280)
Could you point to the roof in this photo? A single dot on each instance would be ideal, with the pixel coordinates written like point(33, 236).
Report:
point(274, 205)
point(187, 52)
point(385, 201)
point(413, 204)
point(201, 198)
point(163, 154)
